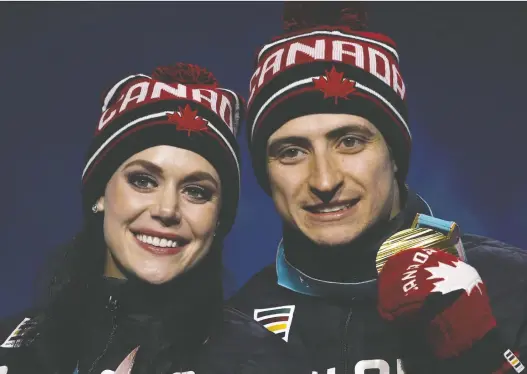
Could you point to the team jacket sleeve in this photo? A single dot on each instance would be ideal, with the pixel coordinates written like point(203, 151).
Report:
point(503, 268)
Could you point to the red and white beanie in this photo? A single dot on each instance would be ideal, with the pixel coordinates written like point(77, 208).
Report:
point(180, 105)
point(327, 63)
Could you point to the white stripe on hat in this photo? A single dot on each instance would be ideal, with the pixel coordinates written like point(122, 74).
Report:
point(388, 104)
point(231, 149)
point(236, 110)
point(331, 33)
point(116, 86)
point(310, 80)
point(275, 95)
point(152, 116)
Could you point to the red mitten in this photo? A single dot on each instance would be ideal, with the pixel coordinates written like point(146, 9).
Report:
point(449, 299)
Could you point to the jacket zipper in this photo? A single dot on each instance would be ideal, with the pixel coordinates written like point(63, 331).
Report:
point(345, 342)
point(112, 307)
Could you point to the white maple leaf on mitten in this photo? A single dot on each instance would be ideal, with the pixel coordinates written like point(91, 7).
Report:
point(458, 276)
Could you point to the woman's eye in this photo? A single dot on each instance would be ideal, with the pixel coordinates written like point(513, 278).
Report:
point(142, 181)
point(198, 193)
point(290, 154)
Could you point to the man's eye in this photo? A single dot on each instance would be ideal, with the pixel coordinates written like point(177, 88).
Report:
point(350, 142)
point(198, 193)
point(142, 181)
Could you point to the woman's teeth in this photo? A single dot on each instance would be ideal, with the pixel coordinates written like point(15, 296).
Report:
point(158, 242)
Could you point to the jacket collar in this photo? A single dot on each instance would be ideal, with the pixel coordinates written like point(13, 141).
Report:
point(347, 272)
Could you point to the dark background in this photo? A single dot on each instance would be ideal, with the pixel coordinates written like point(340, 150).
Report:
point(464, 65)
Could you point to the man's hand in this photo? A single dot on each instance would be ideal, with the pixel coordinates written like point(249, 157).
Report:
point(447, 299)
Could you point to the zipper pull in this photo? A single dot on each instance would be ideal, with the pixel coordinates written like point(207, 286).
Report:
point(112, 304)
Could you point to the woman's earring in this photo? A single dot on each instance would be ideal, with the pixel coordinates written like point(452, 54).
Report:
point(95, 208)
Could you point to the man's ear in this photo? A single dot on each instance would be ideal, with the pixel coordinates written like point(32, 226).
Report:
point(394, 165)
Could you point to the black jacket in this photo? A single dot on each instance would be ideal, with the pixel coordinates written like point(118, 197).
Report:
point(113, 328)
point(347, 335)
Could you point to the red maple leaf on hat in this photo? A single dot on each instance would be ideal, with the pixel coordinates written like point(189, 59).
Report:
point(188, 120)
point(333, 84)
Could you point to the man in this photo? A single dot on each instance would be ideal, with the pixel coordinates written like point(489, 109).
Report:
point(330, 142)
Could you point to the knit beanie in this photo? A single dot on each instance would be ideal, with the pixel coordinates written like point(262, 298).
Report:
point(326, 62)
point(181, 106)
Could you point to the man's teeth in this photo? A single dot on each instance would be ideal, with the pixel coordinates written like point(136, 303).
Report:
point(158, 242)
point(332, 209)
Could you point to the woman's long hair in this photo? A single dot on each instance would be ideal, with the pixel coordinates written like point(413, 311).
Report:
point(56, 339)
point(71, 269)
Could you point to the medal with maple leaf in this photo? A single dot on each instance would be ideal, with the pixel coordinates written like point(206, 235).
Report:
point(188, 120)
point(333, 84)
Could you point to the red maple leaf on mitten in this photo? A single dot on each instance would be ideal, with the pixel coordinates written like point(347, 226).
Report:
point(334, 85)
point(449, 291)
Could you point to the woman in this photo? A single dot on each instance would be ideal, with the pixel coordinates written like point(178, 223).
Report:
point(139, 290)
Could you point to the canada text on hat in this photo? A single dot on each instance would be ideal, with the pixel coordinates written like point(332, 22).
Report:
point(193, 103)
point(370, 52)
point(376, 57)
point(144, 90)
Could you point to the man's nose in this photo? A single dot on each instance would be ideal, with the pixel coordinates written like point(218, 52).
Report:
point(325, 178)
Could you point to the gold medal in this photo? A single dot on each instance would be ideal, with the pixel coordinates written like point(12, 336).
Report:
point(425, 232)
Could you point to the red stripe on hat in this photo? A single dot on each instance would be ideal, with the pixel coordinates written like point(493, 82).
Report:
point(278, 101)
point(140, 127)
point(364, 34)
point(297, 92)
